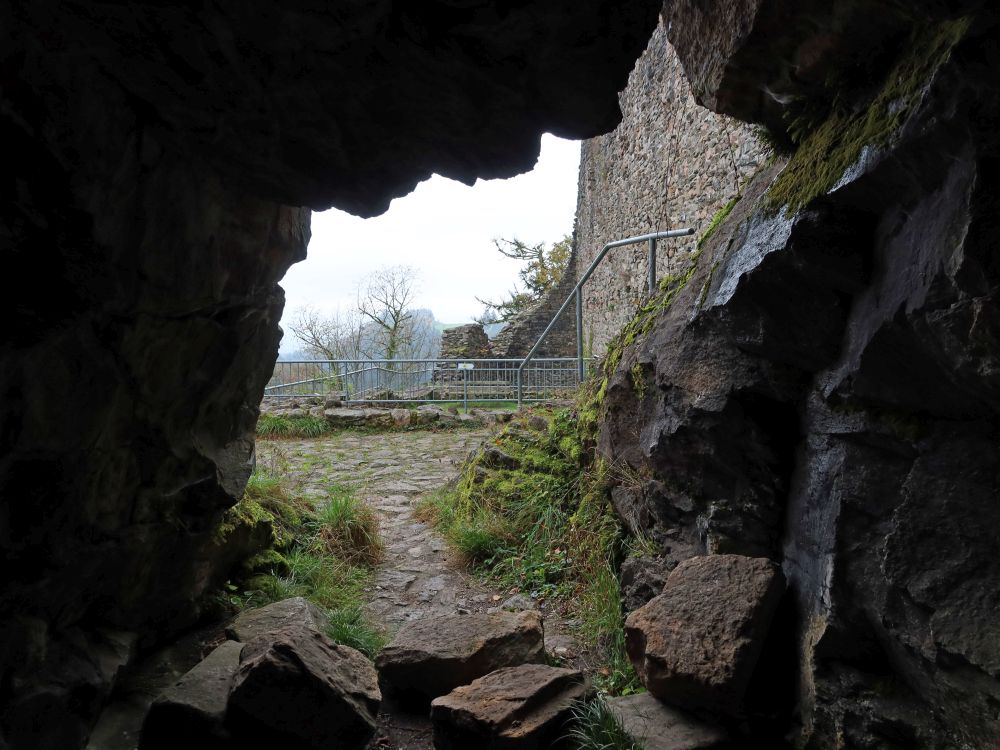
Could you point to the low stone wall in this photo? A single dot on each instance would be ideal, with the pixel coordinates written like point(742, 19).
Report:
point(343, 417)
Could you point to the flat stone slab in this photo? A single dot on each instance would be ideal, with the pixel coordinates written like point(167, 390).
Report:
point(696, 644)
point(255, 623)
point(192, 711)
point(657, 726)
point(434, 655)
point(516, 708)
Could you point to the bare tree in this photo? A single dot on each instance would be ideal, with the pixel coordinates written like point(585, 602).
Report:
point(337, 336)
point(385, 298)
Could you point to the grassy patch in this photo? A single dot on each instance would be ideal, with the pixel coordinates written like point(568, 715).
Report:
point(322, 552)
point(280, 425)
point(595, 727)
point(532, 513)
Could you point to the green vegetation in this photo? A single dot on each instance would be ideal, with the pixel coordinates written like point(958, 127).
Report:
point(595, 727)
point(543, 270)
point(831, 139)
point(532, 512)
point(280, 425)
point(720, 216)
point(323, 552)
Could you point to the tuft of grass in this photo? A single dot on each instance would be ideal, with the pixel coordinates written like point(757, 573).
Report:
point(323, 554)
point(543, 524)
point(348, 528)
point(595, 727)
point(279, 425)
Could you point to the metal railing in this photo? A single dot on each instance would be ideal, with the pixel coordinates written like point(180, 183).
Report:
point(424, 380)
point(577, 294)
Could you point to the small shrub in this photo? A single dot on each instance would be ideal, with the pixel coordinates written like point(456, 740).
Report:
point(595, 727)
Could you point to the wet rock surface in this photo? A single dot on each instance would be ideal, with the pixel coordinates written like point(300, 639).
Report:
point(521, 708)
point(696, 644)
point(434, 655)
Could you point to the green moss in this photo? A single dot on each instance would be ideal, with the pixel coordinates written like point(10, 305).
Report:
point(720, 216)
point(829, 148)
point(546, 526)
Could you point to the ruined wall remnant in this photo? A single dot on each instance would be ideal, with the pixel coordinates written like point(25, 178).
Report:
point(160, 163)
point(520, 334)
point(669, 164)
point(819, 386)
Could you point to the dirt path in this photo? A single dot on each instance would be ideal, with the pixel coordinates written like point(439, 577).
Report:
point(392, 472)
point(420, 576)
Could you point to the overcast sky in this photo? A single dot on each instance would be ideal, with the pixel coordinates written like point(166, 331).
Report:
point(445, 230)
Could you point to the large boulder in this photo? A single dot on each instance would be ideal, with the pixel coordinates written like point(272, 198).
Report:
point(434, 655)
point(296, 689)
point(697, 643)
point(517, 708)
point(256, 623)
point(656, 726)
point(192, 711)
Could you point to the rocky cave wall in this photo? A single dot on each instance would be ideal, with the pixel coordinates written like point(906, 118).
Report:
point(821, 386)
point(669, 164)
point(160, 164)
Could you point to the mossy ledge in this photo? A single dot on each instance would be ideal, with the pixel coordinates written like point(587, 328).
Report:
point(827, 151)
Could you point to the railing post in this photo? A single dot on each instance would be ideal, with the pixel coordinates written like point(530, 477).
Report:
point(519, 394)
point(651, 263)
point(579, 334)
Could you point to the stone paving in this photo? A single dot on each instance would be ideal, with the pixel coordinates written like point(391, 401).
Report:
point(420, 575)
point(392, 472)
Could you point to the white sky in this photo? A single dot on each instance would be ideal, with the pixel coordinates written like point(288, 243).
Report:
point(445, 230)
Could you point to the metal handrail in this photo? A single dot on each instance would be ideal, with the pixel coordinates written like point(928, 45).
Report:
point(577, 293)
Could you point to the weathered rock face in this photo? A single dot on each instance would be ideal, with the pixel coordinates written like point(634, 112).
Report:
point(697, 643)
point(296, 689)
point(155, 160)
point(822, 387)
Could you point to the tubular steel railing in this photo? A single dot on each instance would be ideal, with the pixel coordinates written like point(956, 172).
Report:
point(424, 380)
point(577, 294)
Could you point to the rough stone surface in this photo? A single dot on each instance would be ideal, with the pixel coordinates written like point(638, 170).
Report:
point(822, 388)
point(669, 164)
point(256, 623)
point(657, 726)
point(434, 655)
point(641, 579)
point(297, 689)
point(192, 711)
point(159, 161)
point(521, 708)
point(697, 643)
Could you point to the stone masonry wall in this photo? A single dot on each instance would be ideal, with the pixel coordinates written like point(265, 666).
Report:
point(669, 164)
point(517, 338)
